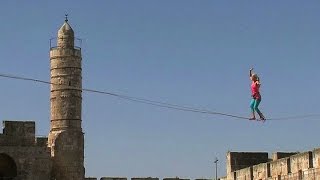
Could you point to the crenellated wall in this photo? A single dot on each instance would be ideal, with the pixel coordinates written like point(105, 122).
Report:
point(21, 148)
point(18, 133)
point(293, 166)
point(240, 160)
point(22, 155)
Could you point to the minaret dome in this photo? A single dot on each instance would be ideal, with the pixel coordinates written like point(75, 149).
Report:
point(65, 35)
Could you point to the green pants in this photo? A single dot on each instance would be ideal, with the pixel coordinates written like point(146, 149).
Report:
point(254, 105)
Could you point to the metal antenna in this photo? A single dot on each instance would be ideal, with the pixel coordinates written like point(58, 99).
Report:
point(66, 20)
point(216, 162)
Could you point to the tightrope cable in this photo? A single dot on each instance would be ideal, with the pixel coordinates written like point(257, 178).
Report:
point(154, 103)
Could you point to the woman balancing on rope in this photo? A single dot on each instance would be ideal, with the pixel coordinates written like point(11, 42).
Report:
point(256, 96)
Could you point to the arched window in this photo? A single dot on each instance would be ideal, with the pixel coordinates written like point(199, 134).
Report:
point(8, 168)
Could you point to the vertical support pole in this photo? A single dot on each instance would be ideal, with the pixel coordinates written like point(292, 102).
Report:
point(216, 162)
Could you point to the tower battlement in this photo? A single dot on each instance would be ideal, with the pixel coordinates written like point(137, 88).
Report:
point(21, 133)
point(290, 165)
point(19, 128)
point(18, 133)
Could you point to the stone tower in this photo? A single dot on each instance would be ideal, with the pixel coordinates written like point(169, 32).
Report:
point(66, 138)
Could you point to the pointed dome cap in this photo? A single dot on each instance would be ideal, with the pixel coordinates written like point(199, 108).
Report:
point(66, 29)
point(65, 35)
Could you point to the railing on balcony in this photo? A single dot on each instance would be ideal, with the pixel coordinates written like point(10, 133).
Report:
point(54, 43)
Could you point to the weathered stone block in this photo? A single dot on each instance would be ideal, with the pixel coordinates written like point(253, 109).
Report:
point(240, 160)
point(279, 155)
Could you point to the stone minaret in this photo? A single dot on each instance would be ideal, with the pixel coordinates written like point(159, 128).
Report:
point(66, 138)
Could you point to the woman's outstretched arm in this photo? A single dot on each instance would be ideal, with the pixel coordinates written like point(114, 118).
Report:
point(250, 72)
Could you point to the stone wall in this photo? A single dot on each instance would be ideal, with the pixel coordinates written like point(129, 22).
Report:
point(297, 166)
point(240, 160)
point(18, 133)
point(278, 167)
point(243, 174)
point(280, 155)
point(316, 158)
point(23, 156)
point(260, 171)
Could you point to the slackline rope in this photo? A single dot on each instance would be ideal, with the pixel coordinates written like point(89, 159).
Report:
point(155, 103)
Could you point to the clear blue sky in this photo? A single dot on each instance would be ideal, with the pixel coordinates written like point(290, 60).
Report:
point(192, 53)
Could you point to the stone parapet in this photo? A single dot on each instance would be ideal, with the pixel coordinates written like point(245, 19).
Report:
point(240, 160)
point(18, 133)
point(297, 166)
point(280, 155)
